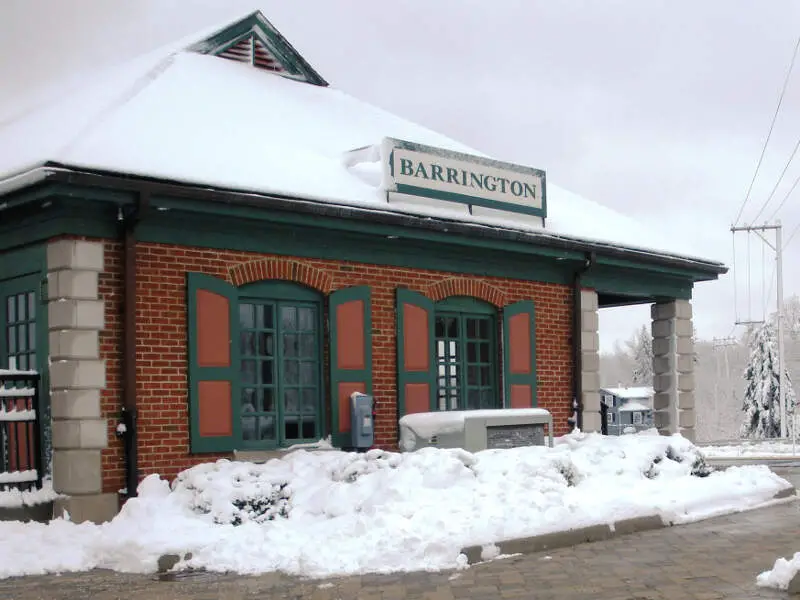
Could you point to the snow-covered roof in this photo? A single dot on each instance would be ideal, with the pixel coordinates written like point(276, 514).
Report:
point(630, 392)
point(194, 118)
point(633, 406)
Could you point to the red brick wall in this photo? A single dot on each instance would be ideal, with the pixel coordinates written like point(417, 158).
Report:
point(161, 333)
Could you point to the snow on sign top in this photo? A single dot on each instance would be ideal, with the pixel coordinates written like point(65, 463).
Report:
point(634, 407)
point(180, 115)
point(630, 392)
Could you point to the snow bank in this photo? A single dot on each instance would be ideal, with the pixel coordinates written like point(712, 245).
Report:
point(781, 574)
point(18, 499)
point(335, 513)
point(753, 449)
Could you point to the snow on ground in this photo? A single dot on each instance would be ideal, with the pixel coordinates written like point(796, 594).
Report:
point(335, 513)
point(753, 449)
point(781, 574)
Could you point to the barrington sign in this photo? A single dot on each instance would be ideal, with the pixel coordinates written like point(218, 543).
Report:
point(455, 177)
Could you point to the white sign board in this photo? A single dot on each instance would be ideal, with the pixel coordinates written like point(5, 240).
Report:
point(456, 177)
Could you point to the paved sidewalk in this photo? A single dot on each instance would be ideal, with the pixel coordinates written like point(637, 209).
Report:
point(718, 558)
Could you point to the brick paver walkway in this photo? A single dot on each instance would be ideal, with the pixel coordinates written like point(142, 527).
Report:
point(717, 558)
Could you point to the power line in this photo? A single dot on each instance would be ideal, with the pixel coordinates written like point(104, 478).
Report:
point(791, 235)
point(769, 133)
point(785, 198)
point(774, 189)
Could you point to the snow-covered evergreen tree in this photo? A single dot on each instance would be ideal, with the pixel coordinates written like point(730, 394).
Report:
point(761, 406)
point(641, 348)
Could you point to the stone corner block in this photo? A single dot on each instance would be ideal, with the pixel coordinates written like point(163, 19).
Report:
point(77, 471)
point(75, 404)
point(74, 343)
point(591, 401)
point(590, 382)
point(81, 255)
point(681, 309)
point(78, 374)
point(96, 508)
point(80, 433)
point(76, 314)
point(591, 421)
point(590, 341)
point(590, 321)
point(588, 300)
point(81, 285)
point(662, 420)
point(686, 418)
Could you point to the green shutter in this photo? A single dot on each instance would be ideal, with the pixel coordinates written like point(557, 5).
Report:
point(350, 355)
point(519, 361)
point(416, 361)
point(212, 326)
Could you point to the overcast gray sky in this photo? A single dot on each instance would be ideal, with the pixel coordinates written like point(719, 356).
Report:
point(657, 109)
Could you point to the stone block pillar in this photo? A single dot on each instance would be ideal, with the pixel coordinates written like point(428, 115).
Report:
point(77, 375)
point(590, 361)
point(673, 368)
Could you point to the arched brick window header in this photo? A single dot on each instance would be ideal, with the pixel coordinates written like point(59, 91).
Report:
point(462, 286)
point(276, 268)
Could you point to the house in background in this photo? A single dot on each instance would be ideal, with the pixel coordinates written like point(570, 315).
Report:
point(628, 409)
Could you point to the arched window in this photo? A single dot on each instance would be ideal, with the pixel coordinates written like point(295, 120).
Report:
point(280, 354)
point(466, 353)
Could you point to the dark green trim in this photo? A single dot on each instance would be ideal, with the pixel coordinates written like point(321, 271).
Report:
point(198, 444)
point(522, 307)
point(24, 260)
point(257, 25)
point(466, 304)
point(337, 375)
point(405, 296)
point(279, 290)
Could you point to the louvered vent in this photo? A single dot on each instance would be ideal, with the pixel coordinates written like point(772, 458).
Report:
point(252, 51)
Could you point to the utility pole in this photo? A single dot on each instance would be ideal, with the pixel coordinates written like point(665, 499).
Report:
point(778, 248)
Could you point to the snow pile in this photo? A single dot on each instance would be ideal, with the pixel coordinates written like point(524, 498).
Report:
point(752, 449)
point(781, 574)
point(333, 513)
point(14, 498)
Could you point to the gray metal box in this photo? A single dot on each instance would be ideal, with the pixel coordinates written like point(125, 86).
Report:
point(476, 430)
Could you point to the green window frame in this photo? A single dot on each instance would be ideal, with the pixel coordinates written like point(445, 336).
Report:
point(466, 354)
point(280, 360)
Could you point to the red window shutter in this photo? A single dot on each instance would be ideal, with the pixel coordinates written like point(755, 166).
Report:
point(213, 364)
point(350, 355)
point(519, 343)
point(416, 363)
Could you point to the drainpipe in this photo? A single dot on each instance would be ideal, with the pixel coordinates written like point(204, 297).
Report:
point(577, 388)
point(127, 429)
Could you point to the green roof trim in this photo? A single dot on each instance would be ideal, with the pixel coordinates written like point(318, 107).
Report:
point(257, 26)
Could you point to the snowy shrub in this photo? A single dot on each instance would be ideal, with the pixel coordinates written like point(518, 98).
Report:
point(568, 471)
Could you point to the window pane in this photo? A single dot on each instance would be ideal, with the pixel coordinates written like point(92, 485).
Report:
point(452, 327)
point(248, 371)
point(247, 318)
point(290, 346)
point(290, 372)
point(487, 399)
point(32, 362)
point(12, 310)
point(306, 318)
point(267, 316)
point(249, 400)
point(484, 329)
point(289, 317)
point(291, 400)
point(439, 328)
point(307, 344)
point(31, 306)
point(268, 400)
point(472, 352)
point(12, 340)
point(291, 428)
point(473, 399)
point(22, 338)
point(473, 375)
point(307, 373)
point(248, 343)
point(266, 344)
point(472, 328)
point(485, 375)
point(248, 428)
point(21, 307)
point(266, 428)
point(267, 372)
point(453, 350)
point(23, 362)
point(309, 428)
point(485, 353)
point(309, 401)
